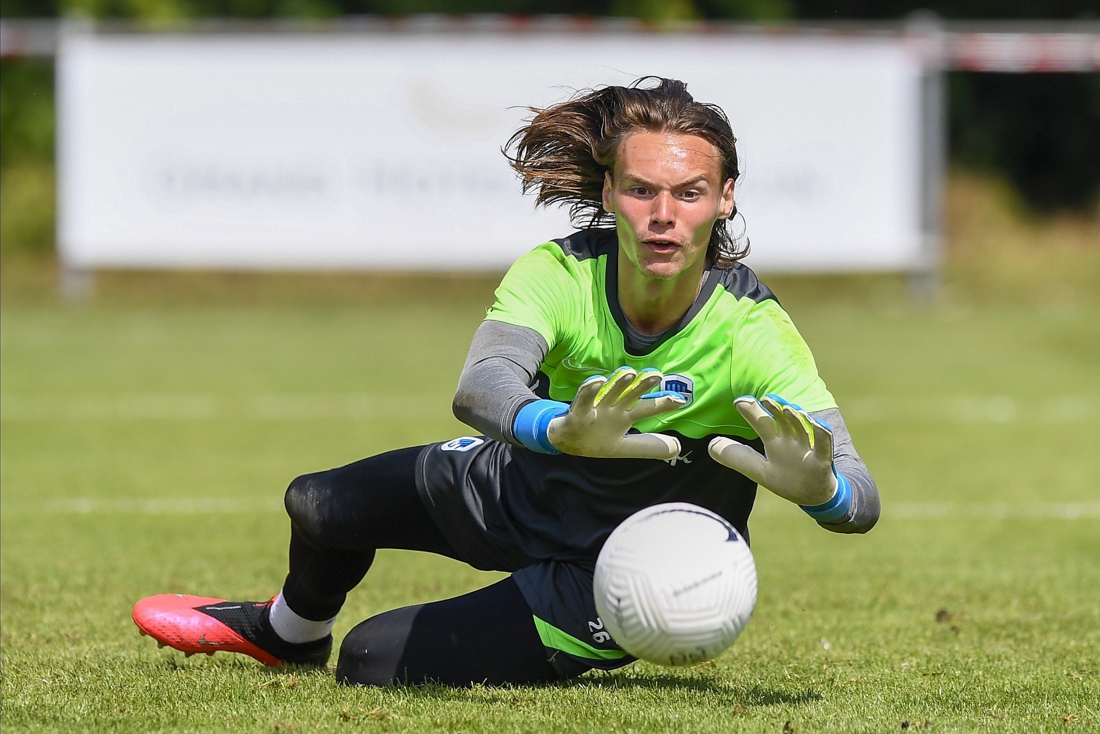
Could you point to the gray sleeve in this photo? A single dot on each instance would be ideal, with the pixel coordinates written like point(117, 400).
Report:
point(864, 511)
point(497, 377)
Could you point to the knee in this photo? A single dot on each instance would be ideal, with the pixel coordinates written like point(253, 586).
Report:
point(354, 668)
point(371, 652)
point(310, 503)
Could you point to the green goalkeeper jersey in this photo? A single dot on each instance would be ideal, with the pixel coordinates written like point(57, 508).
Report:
point(735, 339)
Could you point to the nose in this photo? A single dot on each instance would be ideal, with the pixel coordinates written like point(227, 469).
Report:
point(663, 213)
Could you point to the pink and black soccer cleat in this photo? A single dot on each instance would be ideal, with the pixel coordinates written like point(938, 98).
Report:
point(196, 624)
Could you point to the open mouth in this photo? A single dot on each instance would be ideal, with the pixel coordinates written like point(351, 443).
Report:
point(661, 246)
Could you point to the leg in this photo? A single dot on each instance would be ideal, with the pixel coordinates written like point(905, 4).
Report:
point(486, 636)
point(339, 518)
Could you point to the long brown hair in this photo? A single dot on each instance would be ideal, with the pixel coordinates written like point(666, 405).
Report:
point(562, 152)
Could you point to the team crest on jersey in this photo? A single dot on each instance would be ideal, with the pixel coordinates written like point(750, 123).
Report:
point(462, 444)
point(681, 384)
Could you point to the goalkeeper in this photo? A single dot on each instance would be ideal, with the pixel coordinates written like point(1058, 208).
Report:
point(631, 363)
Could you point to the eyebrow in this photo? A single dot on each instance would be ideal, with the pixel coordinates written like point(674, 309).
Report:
point(650, 184)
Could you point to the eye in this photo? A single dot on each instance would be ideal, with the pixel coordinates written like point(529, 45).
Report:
point(639, 190)
point(690, 195)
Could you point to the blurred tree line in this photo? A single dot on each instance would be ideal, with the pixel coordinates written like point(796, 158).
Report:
point(1042, 131)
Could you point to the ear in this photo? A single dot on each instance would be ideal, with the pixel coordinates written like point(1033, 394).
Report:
point(725, 203)
point(608, 205)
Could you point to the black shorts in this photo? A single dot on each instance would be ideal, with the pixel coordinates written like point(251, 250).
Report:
point(557, 589)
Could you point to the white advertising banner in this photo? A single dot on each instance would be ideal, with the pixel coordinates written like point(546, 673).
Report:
point(379, 151)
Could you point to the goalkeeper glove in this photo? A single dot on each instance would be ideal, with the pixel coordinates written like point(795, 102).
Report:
point(798, 460)
point(597, 421)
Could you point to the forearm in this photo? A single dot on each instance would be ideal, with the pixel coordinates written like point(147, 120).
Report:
point(497, 377)
point(863, 510)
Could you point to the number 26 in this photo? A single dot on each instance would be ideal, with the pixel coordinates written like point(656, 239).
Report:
point(598, 636)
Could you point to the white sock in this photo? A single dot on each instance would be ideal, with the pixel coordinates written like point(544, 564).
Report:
point(294, 628)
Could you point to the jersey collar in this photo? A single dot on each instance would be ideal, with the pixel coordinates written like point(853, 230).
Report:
point(611, 280)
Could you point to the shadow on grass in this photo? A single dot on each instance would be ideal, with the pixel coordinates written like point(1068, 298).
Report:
point(699, 682)
point(658, 683)
point(746, 696)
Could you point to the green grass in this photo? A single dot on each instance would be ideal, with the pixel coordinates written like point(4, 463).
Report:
point(147, 437)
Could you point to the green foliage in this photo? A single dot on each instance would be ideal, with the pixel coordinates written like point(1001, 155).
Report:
point(166, 11)
point(26, 157)
point(125, 422)
point(27, 205)
point(1042, 130)
point(449, 7)
point(656, 11)
point(148, 10)
point(751, 10)
point(28, 8)
point(26, 111)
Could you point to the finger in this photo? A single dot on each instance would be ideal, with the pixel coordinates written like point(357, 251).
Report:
point(585, 399)
point(782, 421)
point(800, 426)
point(619, 381)
point(646, 380)
point(759, 419)
point(739, 457)
point(777, 399)
point(656, 404)
point(648, 446)
point(823, 440)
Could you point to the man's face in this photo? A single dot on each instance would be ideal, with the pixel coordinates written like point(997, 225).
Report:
point(666, 193)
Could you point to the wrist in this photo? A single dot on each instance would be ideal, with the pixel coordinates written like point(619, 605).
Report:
point(532, 422)
point(836, 508)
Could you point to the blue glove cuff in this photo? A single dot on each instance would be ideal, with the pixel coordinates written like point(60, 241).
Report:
point(532, 421)
point(836, 508)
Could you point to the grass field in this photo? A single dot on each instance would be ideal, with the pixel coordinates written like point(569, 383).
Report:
point(147, 438)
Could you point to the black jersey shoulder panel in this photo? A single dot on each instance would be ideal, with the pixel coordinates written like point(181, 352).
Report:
point(589, 243)
point(741, 281)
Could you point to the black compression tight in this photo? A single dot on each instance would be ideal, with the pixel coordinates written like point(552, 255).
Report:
point(486, 636)
point(339, 518)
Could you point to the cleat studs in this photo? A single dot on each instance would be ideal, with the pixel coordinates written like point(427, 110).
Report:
point(161, 644)
point(142, 632)
point(188, 654)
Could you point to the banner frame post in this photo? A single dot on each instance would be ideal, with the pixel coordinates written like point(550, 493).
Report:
point(926, 278)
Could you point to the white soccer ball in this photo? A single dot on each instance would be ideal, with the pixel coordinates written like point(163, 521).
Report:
point(675, 584)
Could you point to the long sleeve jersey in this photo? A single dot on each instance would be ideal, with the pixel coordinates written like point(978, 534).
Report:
point(556, 321)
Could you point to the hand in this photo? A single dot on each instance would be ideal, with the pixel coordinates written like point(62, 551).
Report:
point(603, 411)
point(798, 460)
